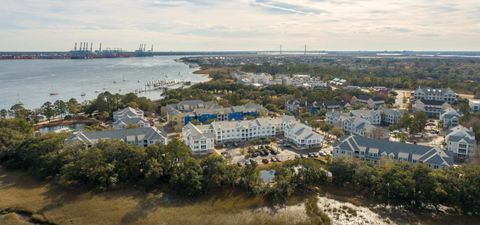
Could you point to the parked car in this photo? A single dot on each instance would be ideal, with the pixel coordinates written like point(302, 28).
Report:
point(297, 156)
point(273, 159)
point(255, 154)
point(265, 161)
point(322, 153)
point(239, 164)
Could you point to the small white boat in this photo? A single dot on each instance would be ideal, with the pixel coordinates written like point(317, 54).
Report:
point(83, 94)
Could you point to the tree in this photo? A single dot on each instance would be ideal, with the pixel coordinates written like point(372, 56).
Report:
point(418, 122)
point(73, 106)
point(3, 113)
point(187, 178)
point(337, 132)
point(342, 170)
point(48, 110)
point(60, 107)
point(20, 111)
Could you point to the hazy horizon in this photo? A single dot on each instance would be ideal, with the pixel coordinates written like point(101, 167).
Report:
point(242, 25)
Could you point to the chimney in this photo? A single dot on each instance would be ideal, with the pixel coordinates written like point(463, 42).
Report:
point(75, 49)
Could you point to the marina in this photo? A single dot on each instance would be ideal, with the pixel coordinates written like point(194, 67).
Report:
point(33, 82)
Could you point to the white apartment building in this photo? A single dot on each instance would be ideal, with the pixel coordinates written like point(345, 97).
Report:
point(391, 116)
point(198, 138)
point(373, 116)
point(461, 141)
point(301, 136)
point(446, 94)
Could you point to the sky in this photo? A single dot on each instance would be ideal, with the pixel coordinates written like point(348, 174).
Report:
point(250, 25)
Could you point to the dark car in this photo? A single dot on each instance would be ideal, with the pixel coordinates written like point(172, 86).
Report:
point(265, 161)
point(255, 154)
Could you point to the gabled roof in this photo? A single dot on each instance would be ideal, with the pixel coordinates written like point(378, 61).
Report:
point(429, 155)
point(130, 121)
point(145, 133)
point(460, 132)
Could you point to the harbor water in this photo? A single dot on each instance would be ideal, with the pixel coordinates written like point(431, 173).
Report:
point(33, 82)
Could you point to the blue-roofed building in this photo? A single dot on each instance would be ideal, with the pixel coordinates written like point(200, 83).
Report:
point(374, 149)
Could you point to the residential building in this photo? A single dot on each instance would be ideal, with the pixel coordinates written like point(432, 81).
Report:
point(373, 150)
point(136, 136)
point(129, 117)
point(130, 122)
point(433, 108)
point(301, 136)
point(450, 118)
point(364, 128)
point(243, 130)
point(474, 104)
point(316, 106)
point(128, 112)
point(391, 116)
point(296, 107)
point(379, 90)
point(373, 116)
point(445, 95)
point(461, 142)
point(198, 138)
point(374, 102)
point(191, 110)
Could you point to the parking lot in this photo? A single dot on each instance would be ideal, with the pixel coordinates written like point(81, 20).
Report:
point(268, 153)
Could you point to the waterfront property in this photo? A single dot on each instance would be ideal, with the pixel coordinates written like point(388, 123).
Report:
point(187, 111)
point(374, 102)
point(230, 131)
point(432, 108)
point(461, 142)
point(198, 138)
point(450, 118)
point(136, 136)
point(373, 150)
point(202, 138)
point(129, 117)
point(128, 112)
point(444, 95)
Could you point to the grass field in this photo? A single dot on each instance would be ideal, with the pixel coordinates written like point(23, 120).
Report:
point(131, 206)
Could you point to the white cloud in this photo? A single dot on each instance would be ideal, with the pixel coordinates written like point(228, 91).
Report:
point(242, 24)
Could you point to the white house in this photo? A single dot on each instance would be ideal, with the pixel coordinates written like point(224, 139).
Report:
point(198, 138)
point(129, 117)
point(450, 118)
point(445, 95)
point(461, 141)
point(474, 104)
point(128, 112)
point(130, 121)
